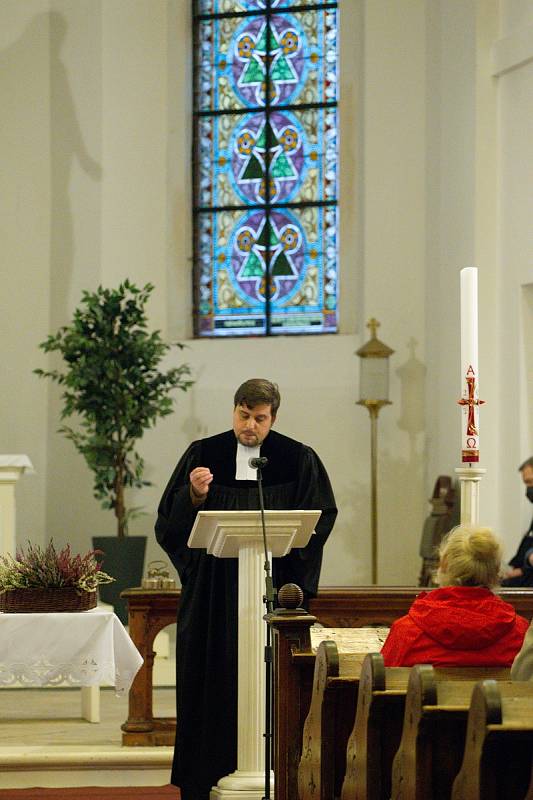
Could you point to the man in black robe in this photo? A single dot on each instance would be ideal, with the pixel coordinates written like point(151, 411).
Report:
point(213, 474)
point(521, 572)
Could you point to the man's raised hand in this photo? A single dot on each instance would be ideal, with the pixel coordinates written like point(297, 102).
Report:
point(200, 479)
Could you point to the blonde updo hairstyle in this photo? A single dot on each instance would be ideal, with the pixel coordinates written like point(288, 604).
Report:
point(469, 556)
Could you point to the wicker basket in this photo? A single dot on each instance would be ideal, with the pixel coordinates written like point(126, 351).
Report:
point(27, 601)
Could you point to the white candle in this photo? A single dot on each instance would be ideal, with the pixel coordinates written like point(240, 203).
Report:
point(469, 367)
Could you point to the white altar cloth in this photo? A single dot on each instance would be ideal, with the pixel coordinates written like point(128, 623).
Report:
point(85, 648)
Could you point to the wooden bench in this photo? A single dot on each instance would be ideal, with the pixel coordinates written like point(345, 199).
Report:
point(315, 694)
point(151, 610)
point(529, 793)
point(329, 722)
point(498, 752)
point(377, 728)
point(294, 661)
point(434, 730)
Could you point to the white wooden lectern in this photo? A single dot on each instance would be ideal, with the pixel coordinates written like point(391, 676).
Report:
point(238, 534)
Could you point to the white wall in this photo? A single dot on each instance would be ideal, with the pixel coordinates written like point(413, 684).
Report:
point(25, 236)
point(514, 75)
point(97, 156)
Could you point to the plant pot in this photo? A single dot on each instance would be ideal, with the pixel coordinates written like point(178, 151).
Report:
point(39, 600)
point(123, 559)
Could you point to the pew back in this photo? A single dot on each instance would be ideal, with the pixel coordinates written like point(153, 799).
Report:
point(499, 743)
point(434, 730)
point(327, 726)
point(376, 732)
point(332, 708)
point(293, 660)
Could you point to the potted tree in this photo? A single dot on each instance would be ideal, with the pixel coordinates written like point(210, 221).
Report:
point(112, 382)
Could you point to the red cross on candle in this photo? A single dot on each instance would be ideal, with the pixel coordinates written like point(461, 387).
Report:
point(470, 452)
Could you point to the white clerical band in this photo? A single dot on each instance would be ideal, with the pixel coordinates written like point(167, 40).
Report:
point(243, 470)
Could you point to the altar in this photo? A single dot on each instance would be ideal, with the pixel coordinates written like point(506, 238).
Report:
point(85, 649)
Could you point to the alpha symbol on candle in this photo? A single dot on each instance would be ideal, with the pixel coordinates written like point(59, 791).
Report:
point(471, 402)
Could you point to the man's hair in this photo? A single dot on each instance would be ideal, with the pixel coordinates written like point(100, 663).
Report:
point(469, 556)
point(527, 463)
point(256, 392)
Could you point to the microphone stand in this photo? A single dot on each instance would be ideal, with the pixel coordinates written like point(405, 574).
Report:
point(269, 603)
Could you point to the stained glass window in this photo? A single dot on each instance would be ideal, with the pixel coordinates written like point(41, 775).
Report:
point(265, 167)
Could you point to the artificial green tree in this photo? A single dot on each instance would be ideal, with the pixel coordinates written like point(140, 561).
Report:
point(111, 380)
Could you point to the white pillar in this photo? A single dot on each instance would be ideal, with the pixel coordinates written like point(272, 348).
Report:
point(470, 478)
point(11, 468)
point(248, 781)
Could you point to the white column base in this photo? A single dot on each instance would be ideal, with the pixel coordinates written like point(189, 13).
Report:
point(469, 478)
point(241, 785)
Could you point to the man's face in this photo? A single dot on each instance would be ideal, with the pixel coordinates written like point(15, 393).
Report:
point(251, 425)
point(527, 475)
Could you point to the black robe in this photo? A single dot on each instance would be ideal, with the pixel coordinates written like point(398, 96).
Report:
point(206, 652)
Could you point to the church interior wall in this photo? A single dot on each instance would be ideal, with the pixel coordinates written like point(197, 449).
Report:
point(98, 150)
point(449, 234)
point(394, 265)
point(516, 279)
point(25, 236)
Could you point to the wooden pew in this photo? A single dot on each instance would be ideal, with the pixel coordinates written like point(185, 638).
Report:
point(499, 743)
point(377, 729)
point(294, 661)
point(434, 730)
point(151, 610)
point(293, 667)
point(329, 722)
point(529, 793)
point(326, 711)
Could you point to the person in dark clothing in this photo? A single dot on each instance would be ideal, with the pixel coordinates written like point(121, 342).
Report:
point(521, 572)
point(214, 474)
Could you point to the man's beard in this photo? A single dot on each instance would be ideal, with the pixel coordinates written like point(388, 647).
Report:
point(253, 440)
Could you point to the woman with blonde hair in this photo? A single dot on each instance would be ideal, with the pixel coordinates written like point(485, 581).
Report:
point(462, 623)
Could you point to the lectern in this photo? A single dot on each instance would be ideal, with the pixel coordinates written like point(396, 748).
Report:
point(238, 534)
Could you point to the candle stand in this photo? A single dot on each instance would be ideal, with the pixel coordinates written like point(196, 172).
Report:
point(374, 392)
point(470, 478)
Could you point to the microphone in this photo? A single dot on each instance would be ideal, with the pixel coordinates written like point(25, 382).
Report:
point(258, 463)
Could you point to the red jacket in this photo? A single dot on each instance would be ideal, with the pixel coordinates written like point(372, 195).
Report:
point(456, 626)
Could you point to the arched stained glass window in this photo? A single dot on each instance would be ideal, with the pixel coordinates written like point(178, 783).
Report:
point(265, 167)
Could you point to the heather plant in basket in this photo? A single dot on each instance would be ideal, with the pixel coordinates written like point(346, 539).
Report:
point(47, 568)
